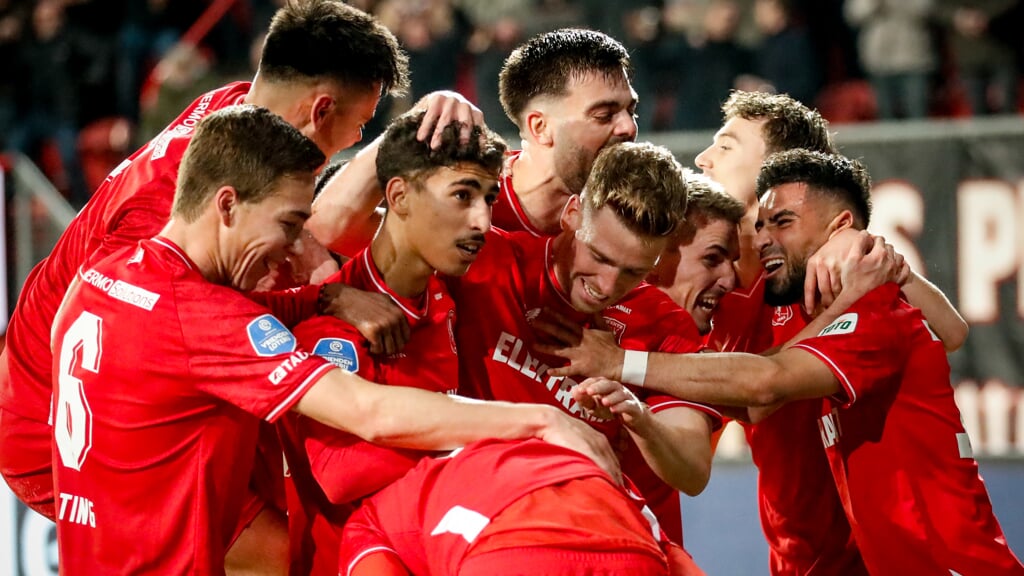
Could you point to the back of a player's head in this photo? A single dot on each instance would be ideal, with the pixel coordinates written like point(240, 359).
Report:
point(545, 65)
point(706, 202)
point(642, 183)
point(402, 155)
point(246, 147)
point(788, 124)
point(833, 176)
point(312, 40)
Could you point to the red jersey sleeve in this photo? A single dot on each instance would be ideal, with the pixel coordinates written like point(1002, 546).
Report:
point(862, 347)
point(243, 355)
point(345, 466)
point(362, 538)
point(290, 306)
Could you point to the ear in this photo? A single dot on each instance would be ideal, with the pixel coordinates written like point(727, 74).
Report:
point(538, 128)
point(320, 111)
point(397, 195)
point(572, 214)
point(841, 221)
point(226, 201)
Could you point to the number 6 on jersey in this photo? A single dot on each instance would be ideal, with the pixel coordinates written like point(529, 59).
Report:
point(72, 426)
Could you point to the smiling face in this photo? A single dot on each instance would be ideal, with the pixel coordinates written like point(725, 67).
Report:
point(601, 259)
point(445, 216)
point(598, 110)
point(734, 158)
point(261, 235)
point(698, 273)
point(792, 225)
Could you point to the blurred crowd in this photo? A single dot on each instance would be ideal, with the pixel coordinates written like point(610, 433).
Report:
point(85, 81)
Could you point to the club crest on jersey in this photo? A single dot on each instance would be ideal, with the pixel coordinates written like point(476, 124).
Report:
point(783, 314)
point(269, 337)
point(338, 351)
point(616, 326)
point(845, 324)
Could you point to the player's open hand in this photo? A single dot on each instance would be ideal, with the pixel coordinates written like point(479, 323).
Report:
point(374, 315)
point(824, 278)
point(441, 108)
point(597, 354)
point(575, 434)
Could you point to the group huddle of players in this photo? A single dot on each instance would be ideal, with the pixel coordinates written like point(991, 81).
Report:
point(523, 359)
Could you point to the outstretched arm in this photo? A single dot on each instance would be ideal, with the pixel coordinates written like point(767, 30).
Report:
point(675, 442)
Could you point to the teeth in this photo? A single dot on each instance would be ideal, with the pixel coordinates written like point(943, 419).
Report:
point(592, 294)
point(774, 263)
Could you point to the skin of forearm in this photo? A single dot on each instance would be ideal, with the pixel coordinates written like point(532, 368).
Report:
point(678, 455)
point(730, 379)
point(403, 417)
point(344, 217)
point(943, 318)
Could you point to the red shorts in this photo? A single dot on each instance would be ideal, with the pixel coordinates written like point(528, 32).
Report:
point(584, 526)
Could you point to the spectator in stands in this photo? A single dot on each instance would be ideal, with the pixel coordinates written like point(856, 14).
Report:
point(979, 34)
point(12, 25)
point(896, 51)
point(434, 33)
point(784, 61)
point(47, 103)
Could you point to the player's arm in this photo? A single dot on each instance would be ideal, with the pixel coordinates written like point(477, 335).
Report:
point(345, 216)
point(374, 315)
point(675, 442)
point(833, 266)
point(411, 418)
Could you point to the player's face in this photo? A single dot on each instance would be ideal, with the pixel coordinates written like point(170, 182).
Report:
point(696, 275)
point(448, 214)
point(264, 234)
point(607, 259)
point(343, 126)
point(597, 111)
point(790, 228)
point(734, 158)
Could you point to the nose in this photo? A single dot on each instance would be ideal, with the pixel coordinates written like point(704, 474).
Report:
point(296, 247)
point(703, 160)
point(762, 240)
point(626, 128)
point(480, 216)
point(727, 281)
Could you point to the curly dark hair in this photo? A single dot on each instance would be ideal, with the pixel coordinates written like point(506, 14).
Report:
point(832, 175)
point(401, 154)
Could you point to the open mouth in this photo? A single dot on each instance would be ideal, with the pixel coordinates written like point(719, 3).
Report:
point(597, 296)
point(707, 303)
point(469, 248)
point(772, 264)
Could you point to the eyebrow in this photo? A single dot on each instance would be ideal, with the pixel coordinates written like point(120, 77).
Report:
point(610, 104)
point(780, 214)
point(609, 260)
point(471, 182)
point(303, 214)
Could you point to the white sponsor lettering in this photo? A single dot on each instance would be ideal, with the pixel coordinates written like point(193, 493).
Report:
point(285, 367)
point(120, 290)
point(513, 352)
point(277, 340)
point(830, 428)
point(159, 145)
point(77, 510)
point(133, 295)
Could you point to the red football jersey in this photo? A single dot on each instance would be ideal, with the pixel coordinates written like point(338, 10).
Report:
point(511, 283)
point(801, 514)
point(132, 204)
point(331, 469)
point(162, 378)
point(430, 520)
point(900, 456)
point(507, 213)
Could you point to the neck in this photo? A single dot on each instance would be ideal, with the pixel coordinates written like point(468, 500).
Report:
point(562, 255)
point(200, 246)
point(541, 192)
point(403, 270)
